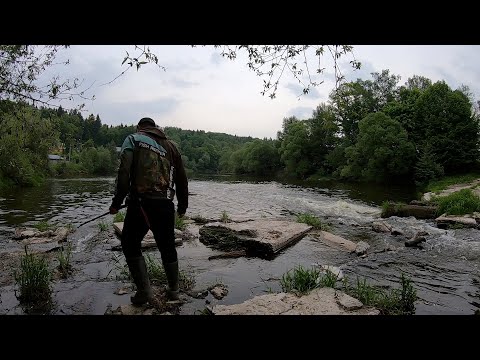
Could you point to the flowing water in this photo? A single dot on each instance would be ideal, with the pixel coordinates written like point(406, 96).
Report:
point(445, 272)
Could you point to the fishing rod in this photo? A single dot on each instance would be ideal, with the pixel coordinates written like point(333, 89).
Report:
point(95, 218)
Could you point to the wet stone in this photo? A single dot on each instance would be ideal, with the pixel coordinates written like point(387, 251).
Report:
point(397, 232)
point(321, 301)
point(337, 241)
point(264, 237)
point(333, 269)
point(381, 227)
point(348, 302)
point(122, 291)
point(361, 248)
point(219, 291)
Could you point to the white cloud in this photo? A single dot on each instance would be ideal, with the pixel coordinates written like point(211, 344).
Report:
point(203, 90)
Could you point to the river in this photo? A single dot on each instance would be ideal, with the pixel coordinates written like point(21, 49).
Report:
point(445, 272)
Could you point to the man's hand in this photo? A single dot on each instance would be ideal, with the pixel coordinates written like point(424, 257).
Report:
point(113, 210)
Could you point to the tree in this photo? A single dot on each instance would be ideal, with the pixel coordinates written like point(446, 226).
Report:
point(418, 82)
point(25, 139)
point(449, 129)
point(21, 67)
point(382, 152)
point(270, 62)
point(352, 102)
point(324, 136)
point(384, 88)
point(293, 152)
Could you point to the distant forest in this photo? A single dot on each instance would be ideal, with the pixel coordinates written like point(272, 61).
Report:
point(369, 130)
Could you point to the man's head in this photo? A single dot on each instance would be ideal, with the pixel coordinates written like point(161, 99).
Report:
point(146, 123)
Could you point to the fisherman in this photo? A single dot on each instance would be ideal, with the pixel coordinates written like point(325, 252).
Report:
point(151, 172)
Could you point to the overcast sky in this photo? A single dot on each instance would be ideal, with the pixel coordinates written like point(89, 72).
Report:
point(202, 90)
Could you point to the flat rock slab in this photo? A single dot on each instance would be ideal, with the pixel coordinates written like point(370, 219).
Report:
point(451, 220)
point(32, 236)
point(322, 301)
point(148, 240)
point(229, 255)
point(42, 241)
point(337, 241)
point(261, 236)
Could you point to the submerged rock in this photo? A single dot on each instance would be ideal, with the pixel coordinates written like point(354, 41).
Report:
point(337, 241)
point(228, 255)
point(333, 269)
point(417, 239)
point(129, 309)
point(219, 291)
point(361, 248)
point(381, 227)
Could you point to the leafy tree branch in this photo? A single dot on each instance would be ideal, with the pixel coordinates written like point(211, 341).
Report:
point(21, 66)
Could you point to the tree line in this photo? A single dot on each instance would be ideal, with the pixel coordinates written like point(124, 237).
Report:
point(368, 130)
point(376, 130)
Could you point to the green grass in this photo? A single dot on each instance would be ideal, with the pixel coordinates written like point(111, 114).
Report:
point(102, 226)
point(329, 279)
point(390, 208)
point(386, 205)
point(313, 221)
point(300, 280)
point(121, 269)
point(64, 257)
point(392, 302)
point(43, 226)
point(205, 311)
point(156, 272)
point(119, 216)
point(458, 203)
point(33, 280)
point(442, 184)
point(225, 218)
point(180, 223)
point(388, 302)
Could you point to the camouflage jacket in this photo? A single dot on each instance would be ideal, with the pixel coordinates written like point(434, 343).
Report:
point(151, 167)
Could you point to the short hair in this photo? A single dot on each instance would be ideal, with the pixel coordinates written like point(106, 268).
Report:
point(146, 121)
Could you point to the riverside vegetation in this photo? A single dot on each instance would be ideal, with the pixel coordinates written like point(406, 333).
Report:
point(370, 130)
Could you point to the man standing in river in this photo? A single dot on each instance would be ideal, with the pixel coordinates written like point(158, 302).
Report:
point(151, 171)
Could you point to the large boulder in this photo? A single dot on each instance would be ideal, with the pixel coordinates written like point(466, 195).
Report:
point(264, 237)
point(321, 301)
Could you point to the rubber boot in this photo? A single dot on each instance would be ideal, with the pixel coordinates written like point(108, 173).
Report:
point(171, 271)
point(138, 270)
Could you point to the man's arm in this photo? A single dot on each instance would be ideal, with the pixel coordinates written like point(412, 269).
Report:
point(122, 182)
point(181, 185)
